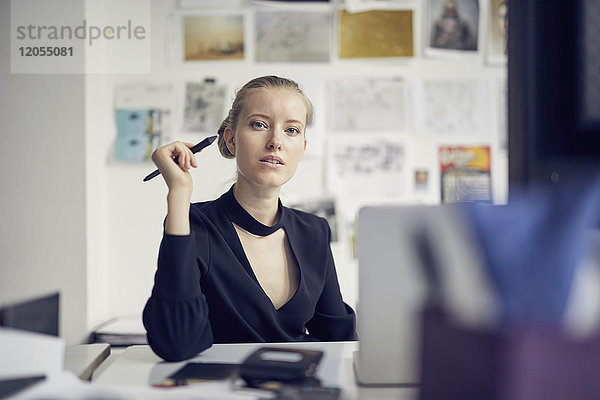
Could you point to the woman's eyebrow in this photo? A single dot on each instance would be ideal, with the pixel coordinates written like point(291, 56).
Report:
point(259, 115)
point(265, 116)
point(294, 121)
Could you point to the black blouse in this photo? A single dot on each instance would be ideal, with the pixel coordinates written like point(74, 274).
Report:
point(205, 290)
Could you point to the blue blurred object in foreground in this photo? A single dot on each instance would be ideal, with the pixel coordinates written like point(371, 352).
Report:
point(532, 247)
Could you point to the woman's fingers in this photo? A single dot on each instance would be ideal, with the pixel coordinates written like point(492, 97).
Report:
point(190, 159)
point(178, 153)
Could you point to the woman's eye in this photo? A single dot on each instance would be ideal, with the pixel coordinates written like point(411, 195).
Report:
point(292, 131)
point(258, 125)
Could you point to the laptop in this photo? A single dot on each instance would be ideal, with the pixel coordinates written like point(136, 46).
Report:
point(394, 286)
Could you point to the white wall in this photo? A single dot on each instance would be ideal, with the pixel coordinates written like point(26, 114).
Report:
point(125, 215)
point(42, 191)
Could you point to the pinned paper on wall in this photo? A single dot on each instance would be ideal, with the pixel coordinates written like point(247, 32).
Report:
point(366, 165)
point(354, 6)
point(375, 34)
point(453, 106)
point(143, 119)
point(368, 103)
point(497, 45)
point(452, 26)
point(465, 174)
point(144, 95)
point(203, 108)
point(421, 180)
point(292, 36)
point(139, 132)
point(213, 37)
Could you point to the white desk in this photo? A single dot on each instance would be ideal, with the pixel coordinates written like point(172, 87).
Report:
point(139, 366)
point(83, 359)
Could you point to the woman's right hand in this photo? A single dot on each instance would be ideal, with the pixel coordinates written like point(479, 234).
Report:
point(175, 174)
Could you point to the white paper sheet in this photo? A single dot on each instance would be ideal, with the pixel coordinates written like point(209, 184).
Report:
point(293, 36)
point(368, 104)
point(26, 354)
point(144, 95)
point(365, 165)
point(446, 107)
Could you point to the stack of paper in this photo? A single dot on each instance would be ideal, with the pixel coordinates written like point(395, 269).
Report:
point(122, 331)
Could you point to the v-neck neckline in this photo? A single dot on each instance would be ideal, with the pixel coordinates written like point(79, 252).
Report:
point(239, 216)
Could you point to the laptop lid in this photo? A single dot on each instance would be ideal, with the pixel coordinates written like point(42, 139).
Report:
point(393, 284)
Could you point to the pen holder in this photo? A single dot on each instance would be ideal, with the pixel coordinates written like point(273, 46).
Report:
point(523, 362)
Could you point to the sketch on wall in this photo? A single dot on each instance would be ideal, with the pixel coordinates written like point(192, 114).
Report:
point(365, 165)
point(452, 25)
point(292, 36)
point(373, 34)
point(368, 104)
point(203, 109)
point(213, 37)
point(445, 107)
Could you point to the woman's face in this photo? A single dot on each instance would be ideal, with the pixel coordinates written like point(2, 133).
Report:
point(269, 140)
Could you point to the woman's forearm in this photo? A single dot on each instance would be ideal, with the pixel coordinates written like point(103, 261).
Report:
point(178, 214)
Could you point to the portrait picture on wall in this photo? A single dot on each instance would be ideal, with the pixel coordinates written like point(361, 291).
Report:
point(213, 37)
point(453, 25)
point(421, 179)
point(293, 36)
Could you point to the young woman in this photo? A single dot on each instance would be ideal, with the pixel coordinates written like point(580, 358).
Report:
point(244, 268)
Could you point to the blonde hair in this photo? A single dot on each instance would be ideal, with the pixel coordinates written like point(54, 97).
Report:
point(263, 82)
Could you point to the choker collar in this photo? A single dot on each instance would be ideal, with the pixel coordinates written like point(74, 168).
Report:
point(242, 218)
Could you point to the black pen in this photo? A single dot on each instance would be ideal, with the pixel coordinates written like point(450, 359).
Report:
point(194, 149)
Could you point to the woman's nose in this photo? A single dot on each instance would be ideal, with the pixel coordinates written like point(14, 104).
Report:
point(275, 142)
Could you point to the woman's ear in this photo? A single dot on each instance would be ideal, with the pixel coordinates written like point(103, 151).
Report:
point(229, 140)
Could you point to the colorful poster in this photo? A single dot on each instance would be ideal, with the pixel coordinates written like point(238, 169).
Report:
point(465, 174)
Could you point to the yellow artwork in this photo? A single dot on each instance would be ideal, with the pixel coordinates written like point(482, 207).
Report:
point(379, 33)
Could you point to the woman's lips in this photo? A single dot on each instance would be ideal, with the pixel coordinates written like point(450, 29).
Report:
point(272, 161)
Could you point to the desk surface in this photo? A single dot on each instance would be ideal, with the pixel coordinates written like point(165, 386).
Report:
point(139, 366)
point(83, 359)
